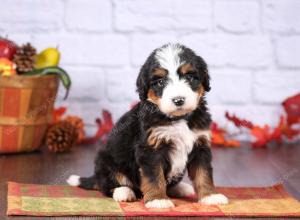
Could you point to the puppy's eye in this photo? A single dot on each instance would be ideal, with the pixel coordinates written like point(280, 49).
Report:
point(159, 83)
point(190, 78)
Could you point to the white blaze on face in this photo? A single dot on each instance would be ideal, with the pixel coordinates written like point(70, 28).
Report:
point(168, 58)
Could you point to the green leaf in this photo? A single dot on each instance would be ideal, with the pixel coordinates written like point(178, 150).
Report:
point(62, 74)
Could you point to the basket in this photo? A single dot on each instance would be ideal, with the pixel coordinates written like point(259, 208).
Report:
point(26, 105)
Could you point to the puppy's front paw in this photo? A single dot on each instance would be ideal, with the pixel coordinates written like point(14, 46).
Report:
point(214, 199)
point(124, 194)
point(160, 203)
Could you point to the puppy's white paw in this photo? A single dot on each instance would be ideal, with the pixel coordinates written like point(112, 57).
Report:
point(124, 194)
point(160, 203)
point(214, 199)
point(73, 180)
point(181, 190)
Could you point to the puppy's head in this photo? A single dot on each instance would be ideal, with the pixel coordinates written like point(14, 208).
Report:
point(174, 78)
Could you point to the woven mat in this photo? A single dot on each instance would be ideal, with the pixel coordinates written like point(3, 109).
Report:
point(44, 200)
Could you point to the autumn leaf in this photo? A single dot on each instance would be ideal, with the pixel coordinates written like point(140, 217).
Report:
point(292, 108)
point(104, 128)
point(232, 143)
point(58, 113)
point(262, 135)
point(284, 129)
point(219, 137)
point(238, 122)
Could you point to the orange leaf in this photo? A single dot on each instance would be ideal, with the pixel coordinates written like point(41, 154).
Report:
point(232, 143)
point(262, 135)
point(58, 113)
point(104, 129)
point(219, 137)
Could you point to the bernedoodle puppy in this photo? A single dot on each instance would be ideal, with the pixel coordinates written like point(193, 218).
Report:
point(166, 134)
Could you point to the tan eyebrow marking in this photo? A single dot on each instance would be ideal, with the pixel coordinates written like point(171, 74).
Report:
point(160, 72)
point(185, 68)
point(152, 97)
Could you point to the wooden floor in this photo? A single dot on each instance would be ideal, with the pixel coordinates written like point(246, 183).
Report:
point(232, 167)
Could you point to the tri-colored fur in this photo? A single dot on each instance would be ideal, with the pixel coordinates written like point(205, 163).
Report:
point(163, 136)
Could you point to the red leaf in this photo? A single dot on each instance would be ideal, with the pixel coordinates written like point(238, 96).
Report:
point(262, 135)
point(238, 122)
point(292, 108)
point(216, 128)
point(107, 121)
point(232, 143)
point(58, 113)
point(290, 133)
point(284, 128)
point(219, 137)
point(103, 130)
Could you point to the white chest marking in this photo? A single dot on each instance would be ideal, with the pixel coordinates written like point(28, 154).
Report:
point(182, 139)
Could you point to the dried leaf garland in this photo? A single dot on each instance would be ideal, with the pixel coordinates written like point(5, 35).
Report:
point(239, 122)
point(219, 137)
point(58, 113)
point(104, 128)
point(262, 135)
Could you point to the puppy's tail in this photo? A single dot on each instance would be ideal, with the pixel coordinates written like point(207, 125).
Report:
point(82, 182)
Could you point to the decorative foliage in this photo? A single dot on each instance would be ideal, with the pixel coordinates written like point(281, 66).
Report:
point(104, 127)
point(53, 70)
point(292, 108)
point(58, 113)
point(24, 60)
point(238, 122)
point(219, 137)
point(263, 135)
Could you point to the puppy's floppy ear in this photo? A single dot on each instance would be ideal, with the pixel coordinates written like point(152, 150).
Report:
point(206, 81)
point(202, 67)
point(143, 81)
point(142, 84)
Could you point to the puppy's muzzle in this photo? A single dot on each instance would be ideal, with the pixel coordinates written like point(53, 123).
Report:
point(178, 101)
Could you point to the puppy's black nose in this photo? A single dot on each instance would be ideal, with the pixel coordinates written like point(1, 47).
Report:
point(178, 101)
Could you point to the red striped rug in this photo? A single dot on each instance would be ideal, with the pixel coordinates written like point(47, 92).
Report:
point(45, 200)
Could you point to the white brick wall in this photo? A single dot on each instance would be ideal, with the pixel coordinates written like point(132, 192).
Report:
point(252, 48)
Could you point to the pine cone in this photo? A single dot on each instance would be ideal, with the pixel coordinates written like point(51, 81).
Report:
point(24, 58)
point(78, 123)
point(61, 137)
